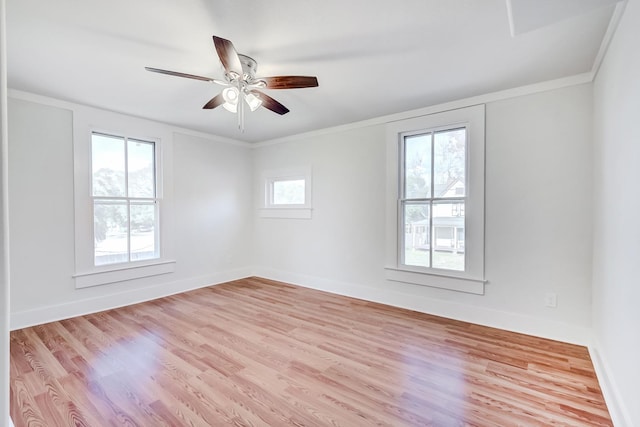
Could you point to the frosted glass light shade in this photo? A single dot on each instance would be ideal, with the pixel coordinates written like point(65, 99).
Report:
point(231, 95)
point(253, 101)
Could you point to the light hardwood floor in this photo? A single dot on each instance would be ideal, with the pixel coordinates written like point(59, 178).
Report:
point(260, 353)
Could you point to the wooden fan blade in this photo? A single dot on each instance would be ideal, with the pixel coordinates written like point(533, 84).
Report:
point(270, 103)
point(177, 74)
point(214, 102)
point(290, 82)
point(228, 55)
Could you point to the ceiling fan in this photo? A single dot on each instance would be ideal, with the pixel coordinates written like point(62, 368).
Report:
point(242, 87)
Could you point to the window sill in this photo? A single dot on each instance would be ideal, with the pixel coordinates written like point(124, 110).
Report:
point(123, 273)
point(434, 280)
point(287, 213)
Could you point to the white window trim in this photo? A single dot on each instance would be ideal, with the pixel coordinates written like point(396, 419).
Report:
point(472, 279)
point(297, 211)
point(86, 273)
point(122, 273)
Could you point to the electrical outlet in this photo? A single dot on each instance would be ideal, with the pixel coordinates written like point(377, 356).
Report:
point(551, 300)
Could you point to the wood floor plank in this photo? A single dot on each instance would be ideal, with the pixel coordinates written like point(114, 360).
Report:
point(255, 352)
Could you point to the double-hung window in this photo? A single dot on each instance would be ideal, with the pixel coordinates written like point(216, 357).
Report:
point(435, 197)
point(124, 199)
point(123, 209)
point(432, 199)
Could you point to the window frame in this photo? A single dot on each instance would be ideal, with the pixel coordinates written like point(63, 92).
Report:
point(470, 280)
point(269, 209)
point(430, 201)
point(270, 192)
point(86, 273)
point(129, 200)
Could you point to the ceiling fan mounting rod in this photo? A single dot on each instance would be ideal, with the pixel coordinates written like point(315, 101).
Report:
point(241, 101)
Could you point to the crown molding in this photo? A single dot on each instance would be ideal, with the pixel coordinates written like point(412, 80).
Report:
point(72, 106)
point(574, 80)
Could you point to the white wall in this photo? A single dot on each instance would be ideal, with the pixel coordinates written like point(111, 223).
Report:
point(538, 231)
point(344, 240)
point(209, 193)
point(4, 238)
point(41, 196)
point(616, 266)
point(212, 193)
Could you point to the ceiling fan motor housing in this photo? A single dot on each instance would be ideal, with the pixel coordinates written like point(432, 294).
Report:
point(249, 67)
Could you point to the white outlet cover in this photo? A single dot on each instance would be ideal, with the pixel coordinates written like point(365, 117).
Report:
point(551, 300)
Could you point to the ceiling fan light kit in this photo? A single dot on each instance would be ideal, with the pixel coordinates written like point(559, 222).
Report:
point(241, 84)
point(231, 96)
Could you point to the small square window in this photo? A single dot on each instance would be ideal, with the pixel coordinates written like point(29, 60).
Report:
point(287, 193)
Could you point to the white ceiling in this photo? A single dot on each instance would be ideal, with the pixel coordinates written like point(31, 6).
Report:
point(371, 57)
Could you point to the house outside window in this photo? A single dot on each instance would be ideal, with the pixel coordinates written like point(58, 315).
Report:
point(432, 198)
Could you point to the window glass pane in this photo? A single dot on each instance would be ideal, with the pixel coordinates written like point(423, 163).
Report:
point(449, 151)
point(417, 166)
point(416, 235)
point(141, 168)
point(110, 230)
point(143, 231)
point(448, 236)
point(288, 192)
point(107, 165)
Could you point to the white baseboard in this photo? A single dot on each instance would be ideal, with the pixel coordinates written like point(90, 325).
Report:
point(483, 316)
point(453, 310)
point(23, 319)
point(615, 402)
